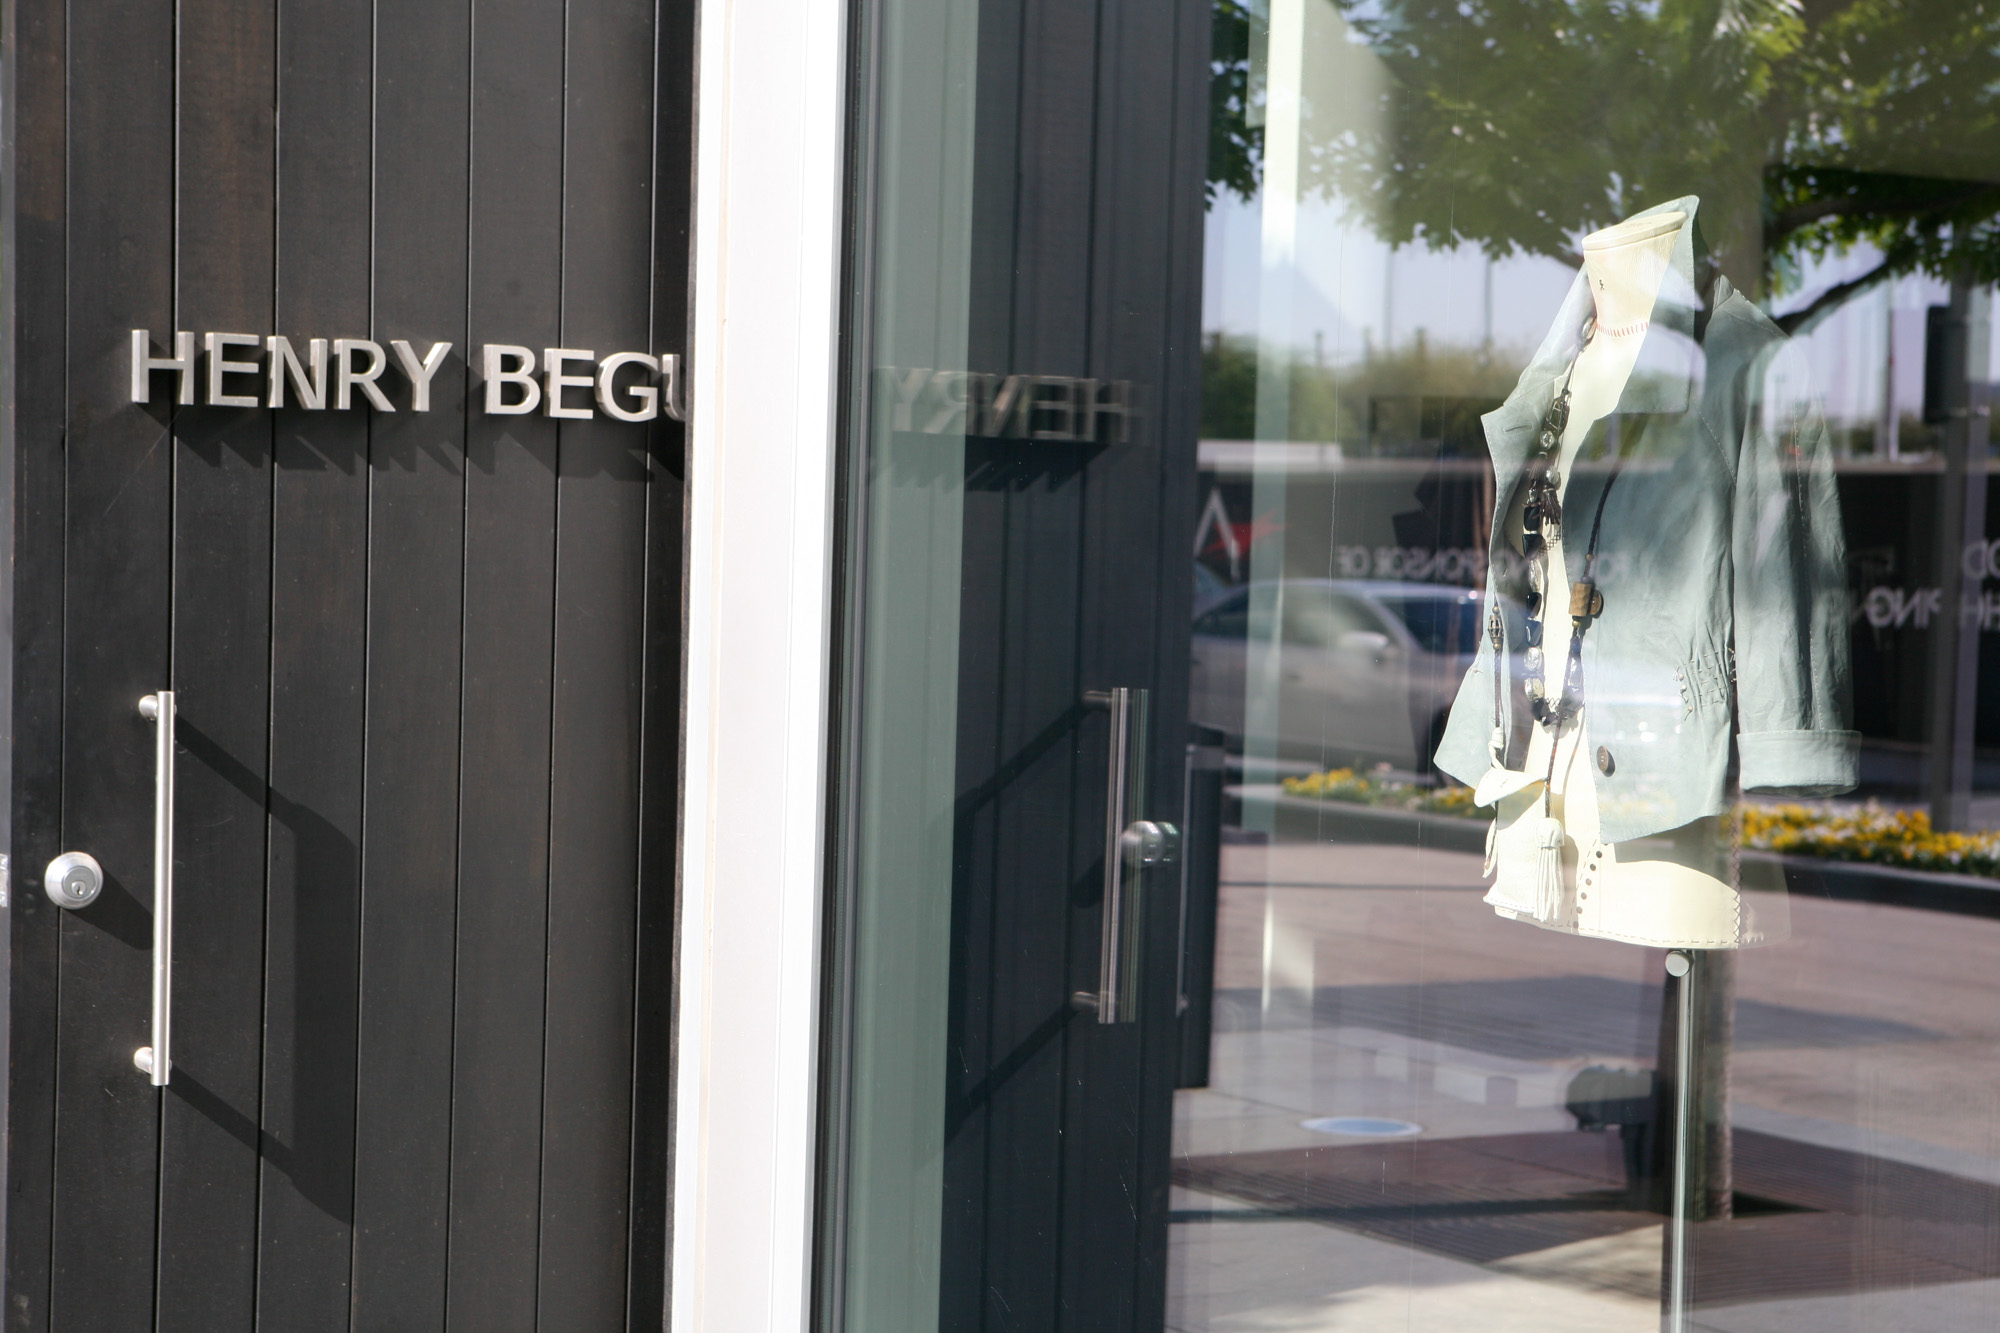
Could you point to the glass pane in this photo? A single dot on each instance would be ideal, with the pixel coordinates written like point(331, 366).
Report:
point(1412, 747)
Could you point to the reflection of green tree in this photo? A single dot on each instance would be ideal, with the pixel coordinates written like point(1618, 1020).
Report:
point(1918, 223)
point(1331, 402)
point(1807, 125)
point(1235, 151)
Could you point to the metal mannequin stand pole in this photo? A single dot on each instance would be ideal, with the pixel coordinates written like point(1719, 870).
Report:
point(1674, 1320)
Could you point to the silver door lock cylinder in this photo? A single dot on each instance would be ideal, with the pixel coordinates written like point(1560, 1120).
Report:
point(73, 880)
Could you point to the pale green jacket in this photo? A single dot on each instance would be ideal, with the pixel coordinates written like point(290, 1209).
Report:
point(1720, 660)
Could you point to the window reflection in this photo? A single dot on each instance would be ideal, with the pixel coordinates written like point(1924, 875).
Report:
point(1400, 1105)
point(1397, 197)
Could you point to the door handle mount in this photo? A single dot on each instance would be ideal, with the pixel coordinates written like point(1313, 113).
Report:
point(156, 1060)
point(1146, 843)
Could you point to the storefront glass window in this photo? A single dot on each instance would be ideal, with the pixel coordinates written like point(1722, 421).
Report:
point(1415, 749)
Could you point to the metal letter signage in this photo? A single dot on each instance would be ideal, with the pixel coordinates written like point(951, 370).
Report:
point(420, 372)
point(284, 361)
point(144, 363)
point(554, 381)
point(565, 388)
point(217, 346)
point(499, 375)
point(645, 396)
point(345, 377)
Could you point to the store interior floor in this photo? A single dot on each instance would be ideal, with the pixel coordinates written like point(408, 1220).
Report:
point(1356, 980)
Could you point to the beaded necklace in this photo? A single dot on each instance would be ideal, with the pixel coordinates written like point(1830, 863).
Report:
point(1541, 521)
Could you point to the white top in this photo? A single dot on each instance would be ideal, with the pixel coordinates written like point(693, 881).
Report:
point(1679, 889)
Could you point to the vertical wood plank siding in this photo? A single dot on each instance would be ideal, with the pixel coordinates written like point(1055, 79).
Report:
point(409, 831)
point(225, 274)
point(117, 586)
point(428, 668)
point(658, 942)
point(600, 624)
point(319, 498)
point(40, 414)
point(510, 588)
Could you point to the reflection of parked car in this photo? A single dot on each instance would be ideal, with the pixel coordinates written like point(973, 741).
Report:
point(1363, 671)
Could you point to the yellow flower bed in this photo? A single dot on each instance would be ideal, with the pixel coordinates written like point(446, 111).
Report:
point(1867, 833)
point(1339, 784)
point(1871, 833)
point(1345, 784)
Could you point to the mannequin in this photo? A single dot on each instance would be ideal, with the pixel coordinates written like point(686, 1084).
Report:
point(1624, 266)
point(1678, 887)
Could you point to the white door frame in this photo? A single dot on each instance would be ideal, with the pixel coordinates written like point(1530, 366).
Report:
point(768, 207)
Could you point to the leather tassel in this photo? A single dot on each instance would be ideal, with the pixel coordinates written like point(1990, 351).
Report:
point(1548, 869)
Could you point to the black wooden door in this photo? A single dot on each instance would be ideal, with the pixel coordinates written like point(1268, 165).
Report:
point(426, 666)
point(1076, 583)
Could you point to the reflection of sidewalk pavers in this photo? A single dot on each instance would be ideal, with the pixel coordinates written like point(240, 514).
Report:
point(1476, 1199)
point(1543, 1018)
point(1369, 979)
point(1810, 1220)
point(1300, 1277)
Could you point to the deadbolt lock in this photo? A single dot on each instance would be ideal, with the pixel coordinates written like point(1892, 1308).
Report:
point(73, 880)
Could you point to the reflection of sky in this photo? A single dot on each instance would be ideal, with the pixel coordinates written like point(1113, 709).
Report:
point(1849, 351)
point(1354, 294)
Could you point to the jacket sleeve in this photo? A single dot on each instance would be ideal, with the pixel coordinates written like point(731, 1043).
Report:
point(1790, 589)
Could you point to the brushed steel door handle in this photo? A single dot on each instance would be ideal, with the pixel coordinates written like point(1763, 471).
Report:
point(1131, 843)
point(156, 1060)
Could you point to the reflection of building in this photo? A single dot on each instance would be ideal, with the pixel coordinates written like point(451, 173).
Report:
point(1418, 519)
point(1399, 518)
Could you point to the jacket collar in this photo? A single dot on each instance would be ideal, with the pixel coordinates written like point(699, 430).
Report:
point(1670, 365)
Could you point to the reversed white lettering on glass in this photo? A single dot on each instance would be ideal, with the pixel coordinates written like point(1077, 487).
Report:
point(1056, 408)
